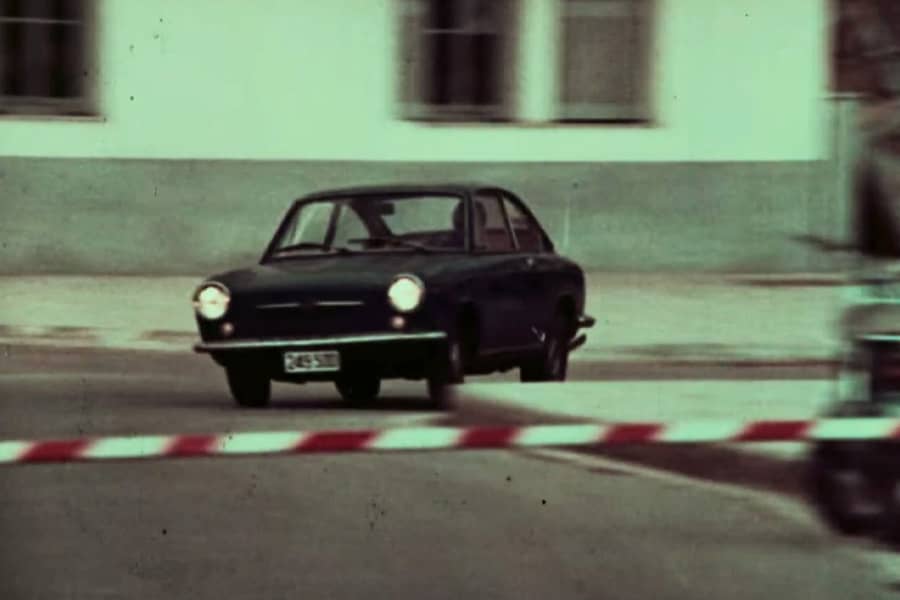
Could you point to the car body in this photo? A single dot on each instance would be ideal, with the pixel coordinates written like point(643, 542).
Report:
point(427, 282)
point(855, 484)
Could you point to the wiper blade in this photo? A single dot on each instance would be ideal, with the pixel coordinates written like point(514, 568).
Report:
point(394, 241)
point(313, 246)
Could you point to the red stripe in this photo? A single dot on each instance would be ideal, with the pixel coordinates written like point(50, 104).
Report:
point(633, 433)
point(336, 441)
point(55, 451)
point(191, 445)
point(762, 431)
point(488, 437)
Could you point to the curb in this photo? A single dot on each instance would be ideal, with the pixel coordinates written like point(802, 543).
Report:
point(93, 338)
point(615, 368)
point(609, 362)
point(713, 462)
point(790, 280)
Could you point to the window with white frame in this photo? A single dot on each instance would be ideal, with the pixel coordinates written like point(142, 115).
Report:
point(604, 60)
point(457, 59)
point(46, 58)
point(486, 60)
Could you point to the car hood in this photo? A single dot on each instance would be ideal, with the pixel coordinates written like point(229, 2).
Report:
point(336, 273)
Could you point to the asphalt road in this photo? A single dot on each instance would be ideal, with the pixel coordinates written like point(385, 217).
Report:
point(433, 525)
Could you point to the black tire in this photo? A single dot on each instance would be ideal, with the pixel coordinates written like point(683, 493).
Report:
point(360, 389)
point(889, 528)
point(448, 372)
point(839, 491)
point(249, 387)
point(552, 364)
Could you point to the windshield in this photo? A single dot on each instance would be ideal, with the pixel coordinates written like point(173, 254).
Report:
point(420, 222)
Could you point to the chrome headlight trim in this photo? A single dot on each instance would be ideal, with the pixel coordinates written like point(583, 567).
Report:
point(215, 310)
point(397, 297)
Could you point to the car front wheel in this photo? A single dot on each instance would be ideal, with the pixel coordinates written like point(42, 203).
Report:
point(249, 387)
point(552, 363)
point(449, 371)
point(361, 389)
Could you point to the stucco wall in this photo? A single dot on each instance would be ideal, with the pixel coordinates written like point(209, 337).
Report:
point(315, 80)
point(159, 216)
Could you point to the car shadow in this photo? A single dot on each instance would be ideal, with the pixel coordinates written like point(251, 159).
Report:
point(388, 403)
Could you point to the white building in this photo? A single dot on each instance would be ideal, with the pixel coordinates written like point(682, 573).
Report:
point(647, 134)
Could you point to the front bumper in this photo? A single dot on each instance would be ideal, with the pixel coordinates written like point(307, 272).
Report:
point(336, 341)
point(386, 354)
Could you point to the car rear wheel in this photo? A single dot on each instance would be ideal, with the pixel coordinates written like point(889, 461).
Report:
point(890, 522)
point(359, 389)
point(842, 493)
point(248, 386)
point(552, 364)
point(449, 371)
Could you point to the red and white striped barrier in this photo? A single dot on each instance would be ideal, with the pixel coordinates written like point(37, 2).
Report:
point(441, 438)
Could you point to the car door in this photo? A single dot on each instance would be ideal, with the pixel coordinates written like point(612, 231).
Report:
point(535, 279)
point(501, 276)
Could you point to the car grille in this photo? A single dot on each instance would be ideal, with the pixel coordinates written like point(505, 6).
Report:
point(311, 318)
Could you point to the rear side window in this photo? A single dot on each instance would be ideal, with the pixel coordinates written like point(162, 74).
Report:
point(526, 231)
point(489, 226)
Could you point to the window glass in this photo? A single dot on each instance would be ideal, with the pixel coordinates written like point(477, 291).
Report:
point(349, 227)
point(457, 59)
point(614, 88)
point(311, 224)
point(45, 56)
point(527, 234)
point(377, 223)
point(490, 231)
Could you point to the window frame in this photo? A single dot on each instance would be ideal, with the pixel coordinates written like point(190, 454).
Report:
point(498, 196)
point(411, 101)
point(339, 200)
point(545, 244)
point(516, 107)
point(84, 106)
point(639, 111)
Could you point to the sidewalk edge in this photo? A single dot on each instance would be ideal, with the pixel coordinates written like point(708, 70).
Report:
point(712, 462)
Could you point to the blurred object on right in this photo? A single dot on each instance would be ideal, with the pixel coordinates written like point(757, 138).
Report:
point(856, 484)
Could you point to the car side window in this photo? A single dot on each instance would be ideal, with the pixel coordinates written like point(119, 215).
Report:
point(349, 227)
point(490, 231)
point(528, 236)
point(311, 224)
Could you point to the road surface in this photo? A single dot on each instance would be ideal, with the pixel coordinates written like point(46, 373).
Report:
point(431, 525)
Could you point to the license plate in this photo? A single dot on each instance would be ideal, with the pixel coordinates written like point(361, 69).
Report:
point(312, 362)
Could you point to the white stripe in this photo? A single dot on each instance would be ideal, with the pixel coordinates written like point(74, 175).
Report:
point(559, 435)
point(258, 443)
point(12, 451)
point(853, 429)
point(410, 438)
point(143, 446)
point(700, 431)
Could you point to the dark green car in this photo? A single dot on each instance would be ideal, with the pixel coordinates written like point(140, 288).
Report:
point(416, 282)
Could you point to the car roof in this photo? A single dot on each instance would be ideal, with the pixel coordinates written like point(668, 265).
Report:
point(404, 188)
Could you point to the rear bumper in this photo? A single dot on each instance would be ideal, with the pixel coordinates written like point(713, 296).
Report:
point(586, 322)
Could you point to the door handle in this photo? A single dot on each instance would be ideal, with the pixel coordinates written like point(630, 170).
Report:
point(529, 262)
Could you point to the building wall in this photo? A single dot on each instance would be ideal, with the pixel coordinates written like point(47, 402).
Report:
point(159, 216)
point(219, 79)
point(215, 116)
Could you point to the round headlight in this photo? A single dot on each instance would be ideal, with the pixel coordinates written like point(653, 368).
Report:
point(406, 293)
point(211, 301)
